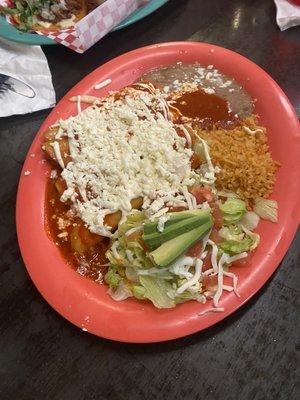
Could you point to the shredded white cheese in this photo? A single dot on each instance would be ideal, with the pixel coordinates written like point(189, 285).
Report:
point(209, 175)
point(60, 133)
point(252, 132)
point(120, 152)
point(181, 267)
point(53, 174)
point(62, 235)
point(187, 135)
point(57, 153)
point(219, 291)
point(235, 281)
point(205, 240)
point(209, 90)
point(194, 279)
point(114, 250)
point(194, 201)
point(159, 213)
point(133, 230)
point(187, 196)
point(237, 257)
point(228, 288)
point(203, 255)
point(85, 99)
point(207, 157)
point(213, 309)
point(103, 84)
point(161, 222)
point(214, 254)
point(79, 104)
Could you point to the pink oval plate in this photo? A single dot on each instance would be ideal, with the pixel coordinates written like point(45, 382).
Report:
point(87, 304)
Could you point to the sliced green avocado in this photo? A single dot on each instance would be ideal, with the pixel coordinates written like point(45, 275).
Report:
point(174, 217)
point(167, 253)
point(156, 238)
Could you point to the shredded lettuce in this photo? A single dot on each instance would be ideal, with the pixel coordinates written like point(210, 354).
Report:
point(133, 220)
point(187, 295)
point(130, 252)
point(242, 242)
point(231, 232)
point(156, 290)
point(253, 236)
point(235, 247)
point(233, 210)
point(112, 278)
point(122, 292)
point(139, 292)
point(26, 11)
point(132, 273)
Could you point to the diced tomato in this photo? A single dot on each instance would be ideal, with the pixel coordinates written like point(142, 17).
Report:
point(195, 250)
point(217, 216)
point(202, 194)
point(210, 282)
point(214, 236)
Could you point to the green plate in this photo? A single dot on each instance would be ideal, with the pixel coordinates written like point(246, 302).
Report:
point(9, 32)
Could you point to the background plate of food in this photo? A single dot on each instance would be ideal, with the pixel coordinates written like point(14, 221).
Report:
point(11, 32)
point(189, 212)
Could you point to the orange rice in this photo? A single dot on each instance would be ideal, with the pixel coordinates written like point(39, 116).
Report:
point(247, 167)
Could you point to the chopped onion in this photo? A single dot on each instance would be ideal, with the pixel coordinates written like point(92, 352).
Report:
point(250, 220)
point(266, 209)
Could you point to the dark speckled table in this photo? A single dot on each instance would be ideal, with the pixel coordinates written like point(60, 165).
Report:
point(253, 355)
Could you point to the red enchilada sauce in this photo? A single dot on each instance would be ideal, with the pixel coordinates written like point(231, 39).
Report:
point(88, 263)
point(201, 105)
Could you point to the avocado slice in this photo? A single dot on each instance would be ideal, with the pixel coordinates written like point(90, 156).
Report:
point(167, 253)
point(174, 217)
point(155, 239)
